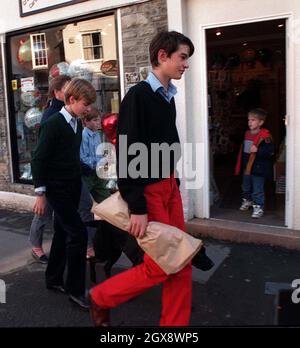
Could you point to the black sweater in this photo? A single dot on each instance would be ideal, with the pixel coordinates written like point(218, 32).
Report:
point(56, 156)
point(145, 117)
point(54, 106)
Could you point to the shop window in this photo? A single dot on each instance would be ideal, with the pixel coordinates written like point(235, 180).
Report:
point(92, 46)
point(39, 51)
point(77, 49)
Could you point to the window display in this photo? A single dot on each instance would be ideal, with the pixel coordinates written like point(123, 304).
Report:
point(85, 49)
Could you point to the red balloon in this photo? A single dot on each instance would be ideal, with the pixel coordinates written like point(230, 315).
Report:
point(109, 127)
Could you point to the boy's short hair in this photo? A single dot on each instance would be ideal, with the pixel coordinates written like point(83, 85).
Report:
point(80, 89)
point(259, 113)
point(168, 41)
point(94, 113)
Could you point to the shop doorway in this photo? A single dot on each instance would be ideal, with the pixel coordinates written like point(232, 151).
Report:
point(246, 68)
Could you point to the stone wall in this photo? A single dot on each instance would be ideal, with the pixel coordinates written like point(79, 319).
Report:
point(5, 179)
point(4, 154)
point(140, 23)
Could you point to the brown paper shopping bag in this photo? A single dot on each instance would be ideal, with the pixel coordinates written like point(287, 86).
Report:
point(167, 245)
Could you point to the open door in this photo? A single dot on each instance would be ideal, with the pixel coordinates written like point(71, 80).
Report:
point(246, 68)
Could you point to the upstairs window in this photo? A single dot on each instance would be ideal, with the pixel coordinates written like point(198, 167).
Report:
point(39, 51)
point(92, 46)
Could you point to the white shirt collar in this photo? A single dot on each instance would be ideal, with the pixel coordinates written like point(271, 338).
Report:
point(68, 117)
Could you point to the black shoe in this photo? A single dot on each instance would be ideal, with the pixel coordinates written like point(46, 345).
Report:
point(202, 261)
point(57, 288)
point(42, 259)
point(80, 301)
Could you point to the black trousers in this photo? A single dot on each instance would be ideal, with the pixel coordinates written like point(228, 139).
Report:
point(69, 242)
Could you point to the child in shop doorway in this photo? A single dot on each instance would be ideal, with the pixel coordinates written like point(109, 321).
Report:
point(255, 162)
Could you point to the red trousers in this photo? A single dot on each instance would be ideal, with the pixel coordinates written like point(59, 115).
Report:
point(164, 205)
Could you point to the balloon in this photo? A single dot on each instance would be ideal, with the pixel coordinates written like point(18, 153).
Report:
point(109, 127)
point(24, 52)
point(33, 117)
point(61, 68)
point(31, 98)
point(79, 68)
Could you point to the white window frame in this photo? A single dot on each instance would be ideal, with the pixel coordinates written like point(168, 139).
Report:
point(92, 46)
point(42, 52)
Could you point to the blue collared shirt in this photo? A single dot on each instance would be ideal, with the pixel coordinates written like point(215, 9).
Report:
point(90, 141)
point(156, 85)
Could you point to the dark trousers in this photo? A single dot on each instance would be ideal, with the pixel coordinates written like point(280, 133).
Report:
point(69, 242)
point(110, 242)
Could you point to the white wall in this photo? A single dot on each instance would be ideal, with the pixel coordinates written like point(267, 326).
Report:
point(200, 13)
point(10, 19)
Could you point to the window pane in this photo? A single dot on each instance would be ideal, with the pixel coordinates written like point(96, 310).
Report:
point(96, 39)
point(86, 40)
point(97, 53)
point(88, 53)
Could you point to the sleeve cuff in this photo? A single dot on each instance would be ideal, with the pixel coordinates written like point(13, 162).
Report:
point(40, 189)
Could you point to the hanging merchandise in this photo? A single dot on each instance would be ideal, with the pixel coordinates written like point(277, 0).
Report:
point(61, 68)
point(24, 52)
point(31, 98)
point(249, 56)
point(79, 68)
point(33, 118)
point(233, 61)
point(218, 61)
point(264, 55)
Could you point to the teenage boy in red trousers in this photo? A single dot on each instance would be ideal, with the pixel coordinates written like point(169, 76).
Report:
point(147, 115)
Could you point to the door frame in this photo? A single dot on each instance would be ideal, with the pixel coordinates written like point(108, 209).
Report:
point(290, 102)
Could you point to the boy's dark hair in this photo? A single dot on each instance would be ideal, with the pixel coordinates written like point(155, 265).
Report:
point(80, 89)
point(94, 113)
point(168, 41)
point(56, 84)
point(259, 113)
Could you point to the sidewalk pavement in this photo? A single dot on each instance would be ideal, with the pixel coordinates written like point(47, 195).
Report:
point(242, 289)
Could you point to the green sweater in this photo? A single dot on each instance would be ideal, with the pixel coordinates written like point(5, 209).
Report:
point(57, 155)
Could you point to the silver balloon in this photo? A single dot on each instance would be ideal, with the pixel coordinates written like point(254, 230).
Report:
point(79, 68)
point(26, 172)
point(31, 98)
point(33, 117)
